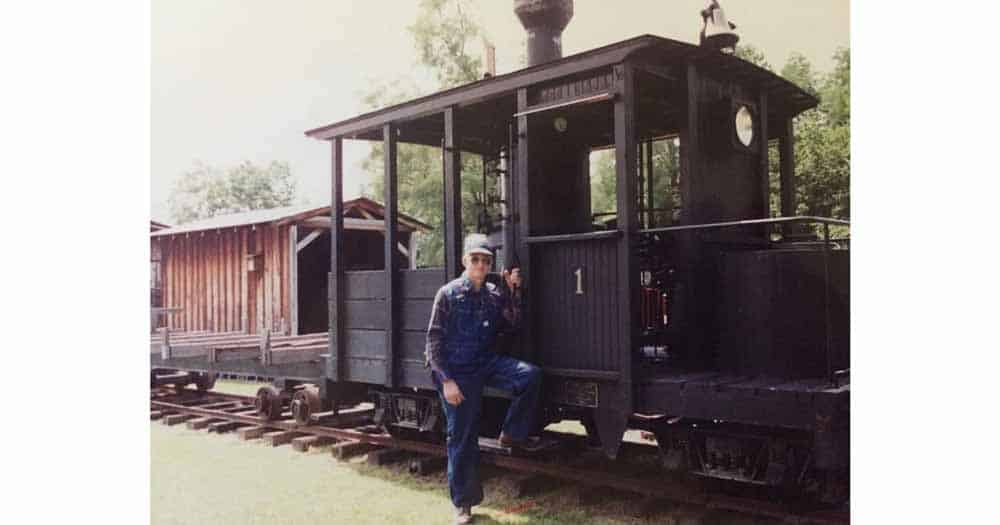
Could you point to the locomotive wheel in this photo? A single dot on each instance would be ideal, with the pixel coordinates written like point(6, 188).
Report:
point(268, 403)
point(305, 403)
point(205, 381)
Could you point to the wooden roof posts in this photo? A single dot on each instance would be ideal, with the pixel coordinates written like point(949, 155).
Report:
point(523, 220)
point(650, 202)
point(293, 278)
point(392, 289)
point(616, 401)
point(335, 360)
point(786, 147)
point(764, 170)
point(452, 198)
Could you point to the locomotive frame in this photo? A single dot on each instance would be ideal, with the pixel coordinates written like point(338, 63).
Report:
point(747, 377)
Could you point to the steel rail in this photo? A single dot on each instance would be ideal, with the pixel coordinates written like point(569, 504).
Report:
point(658, 488)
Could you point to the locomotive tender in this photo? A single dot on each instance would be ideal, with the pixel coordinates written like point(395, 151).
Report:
point(690, 314)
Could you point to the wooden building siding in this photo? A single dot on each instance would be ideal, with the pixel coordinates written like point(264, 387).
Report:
point(206, 275)
point(204, 272)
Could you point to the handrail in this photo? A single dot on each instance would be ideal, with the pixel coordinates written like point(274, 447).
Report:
point(586, 236)
point(748, 222)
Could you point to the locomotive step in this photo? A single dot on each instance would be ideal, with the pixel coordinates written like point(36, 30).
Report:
point(493, 445)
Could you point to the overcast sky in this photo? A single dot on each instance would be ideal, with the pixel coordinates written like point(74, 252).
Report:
point(237, 80)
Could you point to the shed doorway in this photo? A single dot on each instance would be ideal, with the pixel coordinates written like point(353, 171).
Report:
point(313, 268)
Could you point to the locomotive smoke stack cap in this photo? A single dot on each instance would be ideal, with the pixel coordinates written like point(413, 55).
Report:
point(544, 21)
point(717, 32)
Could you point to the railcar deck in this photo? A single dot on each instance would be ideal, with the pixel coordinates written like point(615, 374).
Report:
point(299, 357)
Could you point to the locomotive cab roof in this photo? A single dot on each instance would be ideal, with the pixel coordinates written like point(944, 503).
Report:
point(486, 104)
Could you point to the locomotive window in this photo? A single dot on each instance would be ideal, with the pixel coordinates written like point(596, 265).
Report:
point(659, 193)
point(603, 191)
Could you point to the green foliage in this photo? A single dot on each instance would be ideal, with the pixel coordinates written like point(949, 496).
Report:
point(753, 55)
point(798, 70)
point(441, 32)
point(207, 191)
point(823, 138)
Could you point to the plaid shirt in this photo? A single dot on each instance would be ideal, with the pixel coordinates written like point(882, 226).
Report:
point(464, 324)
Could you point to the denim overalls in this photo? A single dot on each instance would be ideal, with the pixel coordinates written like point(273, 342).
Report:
point(470, 321)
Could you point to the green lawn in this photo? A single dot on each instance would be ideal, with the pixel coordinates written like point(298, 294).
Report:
point(218, 479)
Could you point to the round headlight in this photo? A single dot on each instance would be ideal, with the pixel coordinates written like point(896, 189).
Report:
point(744, 125)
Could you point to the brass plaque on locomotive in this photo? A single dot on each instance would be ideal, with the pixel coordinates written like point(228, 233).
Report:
point(575, 392)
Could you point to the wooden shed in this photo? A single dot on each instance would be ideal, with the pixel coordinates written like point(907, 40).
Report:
point(268, 268)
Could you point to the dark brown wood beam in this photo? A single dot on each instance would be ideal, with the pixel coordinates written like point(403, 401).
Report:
point(334, 368)
point(523, 211)
point(764, 172)
point(452, 198)
point(786, 147)
point(392, 299)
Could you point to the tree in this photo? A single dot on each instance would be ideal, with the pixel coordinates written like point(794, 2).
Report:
point(799, 71)
point(753, 55)
point(206, 191)
point(823, 138)
point(441, 33)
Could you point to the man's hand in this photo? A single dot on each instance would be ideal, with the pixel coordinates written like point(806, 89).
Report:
point(513, 278)
point(452, 393)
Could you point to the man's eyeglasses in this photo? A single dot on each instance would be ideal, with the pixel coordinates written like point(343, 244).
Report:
point(478, 259)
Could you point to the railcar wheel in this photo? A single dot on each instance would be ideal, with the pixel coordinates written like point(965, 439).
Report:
point(268, 403)
point(205, 381)
point(305, 403)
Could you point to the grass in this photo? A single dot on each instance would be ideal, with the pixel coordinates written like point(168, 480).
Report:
point(198, 478)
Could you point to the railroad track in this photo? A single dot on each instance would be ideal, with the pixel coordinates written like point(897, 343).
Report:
point(350, 433)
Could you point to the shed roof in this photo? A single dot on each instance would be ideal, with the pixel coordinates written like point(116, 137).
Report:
point(155, 225)
point(287, 214)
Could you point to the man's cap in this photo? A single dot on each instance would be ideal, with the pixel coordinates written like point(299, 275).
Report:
point(476, 243)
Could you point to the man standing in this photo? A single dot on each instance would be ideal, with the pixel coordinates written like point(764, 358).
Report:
point(467, 314)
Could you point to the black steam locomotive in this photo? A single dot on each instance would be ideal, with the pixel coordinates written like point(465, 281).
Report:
point(689, 312)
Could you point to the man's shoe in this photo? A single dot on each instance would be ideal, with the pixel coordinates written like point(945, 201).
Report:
point(531, 444)
point(463, 515)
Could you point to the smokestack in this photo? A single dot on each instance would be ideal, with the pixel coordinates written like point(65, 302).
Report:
point(544, 20)
point(491, 60)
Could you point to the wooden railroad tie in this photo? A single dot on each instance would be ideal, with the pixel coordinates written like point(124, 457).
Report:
point(176, 419)
point(386, 456)
point(249, 433)
point(303, 443)
point(155, 414)
point(533, 484)
point(221, 427)
point(426, 465)
point(280, 437)
point(201, 422)
point(348, 449)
